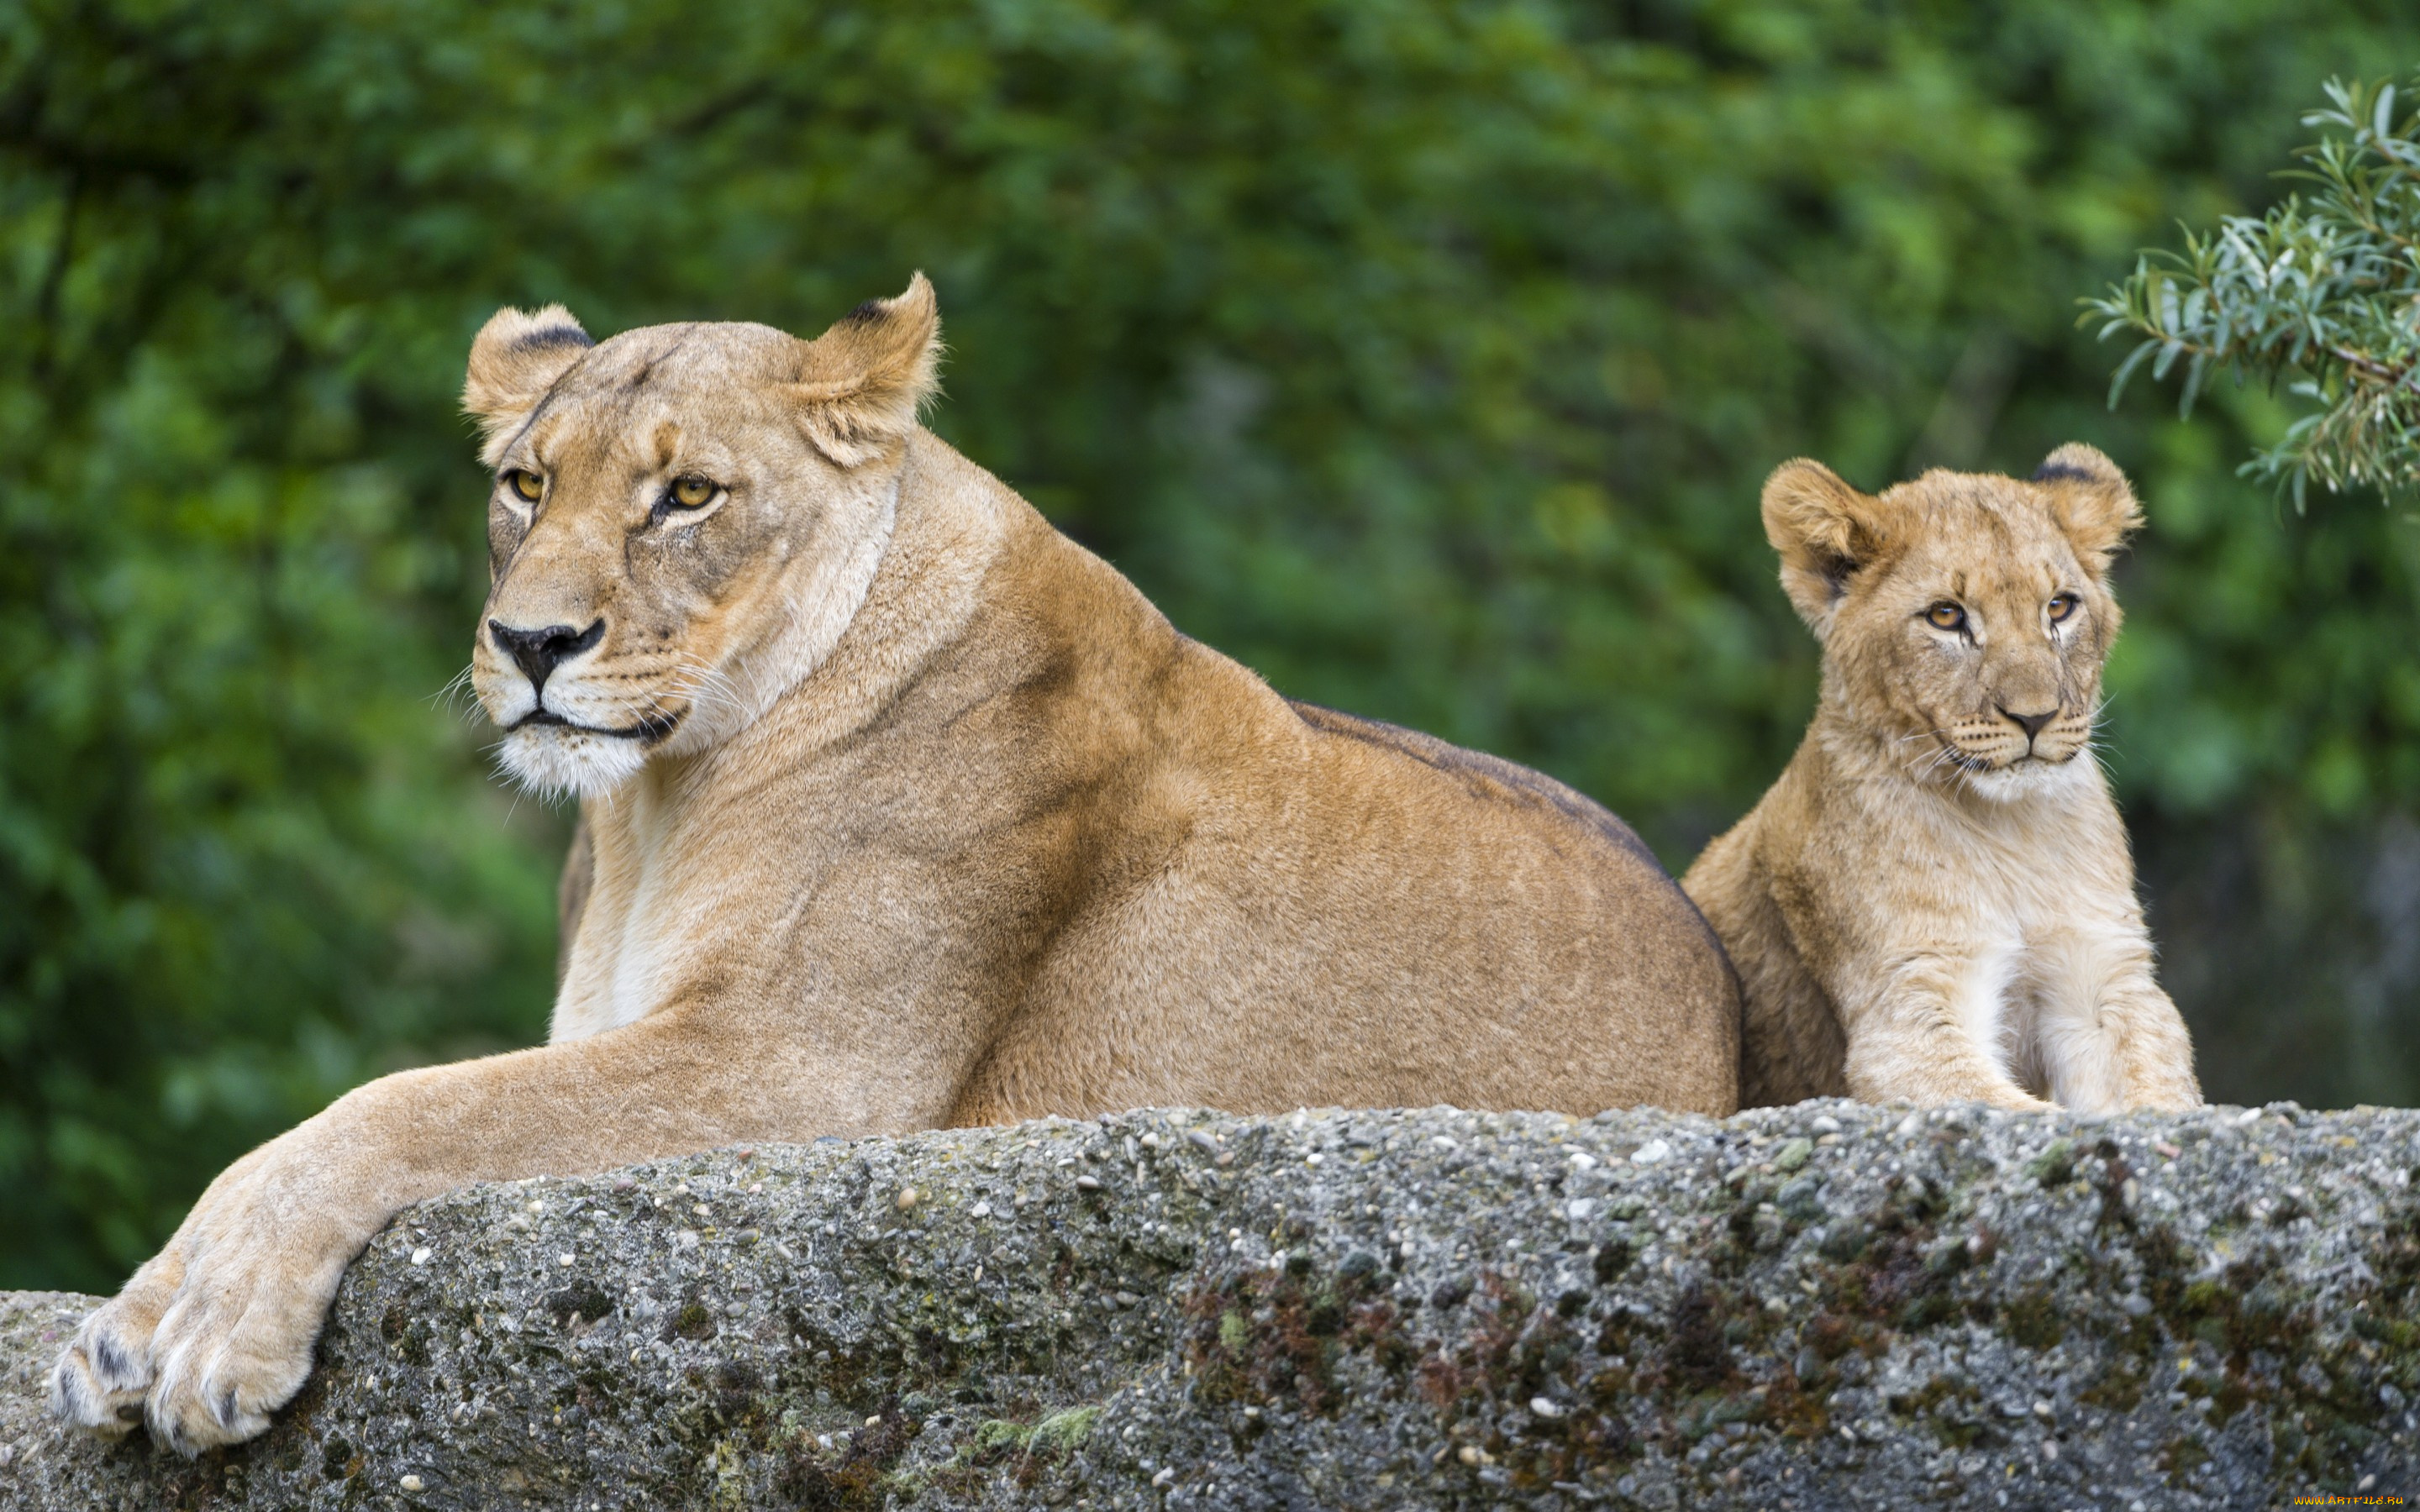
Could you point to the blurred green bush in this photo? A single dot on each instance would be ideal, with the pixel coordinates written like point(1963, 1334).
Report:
point(1424, 355)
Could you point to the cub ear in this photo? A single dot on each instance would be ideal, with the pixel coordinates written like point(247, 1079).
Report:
point(861, 382)
point(2091, 501)
point(516, 357)
point(1824, 529)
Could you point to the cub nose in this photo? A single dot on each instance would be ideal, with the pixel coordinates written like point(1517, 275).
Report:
point(540, 652)
point(2032, 724)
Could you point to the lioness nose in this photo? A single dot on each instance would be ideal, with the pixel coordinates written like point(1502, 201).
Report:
point(2032, 724)
point(540, 652)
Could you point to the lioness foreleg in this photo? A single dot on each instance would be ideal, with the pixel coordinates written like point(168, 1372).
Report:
point(216, 1332)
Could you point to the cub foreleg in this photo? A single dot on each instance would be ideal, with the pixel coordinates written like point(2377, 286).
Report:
point(2107, 1037)
point(1924, 1033)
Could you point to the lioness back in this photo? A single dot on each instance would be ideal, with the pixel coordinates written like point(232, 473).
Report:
point(1550, 885)
point(1357, 915)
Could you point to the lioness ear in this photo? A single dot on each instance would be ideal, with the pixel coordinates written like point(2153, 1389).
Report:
point(516, 357)
point(1824, 529)
point(2091, 501)
point(861, 382)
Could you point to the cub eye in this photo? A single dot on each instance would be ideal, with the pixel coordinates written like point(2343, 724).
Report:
point(528, 485)
point(2063, 606)
point(692, 492)
point(1946, 617)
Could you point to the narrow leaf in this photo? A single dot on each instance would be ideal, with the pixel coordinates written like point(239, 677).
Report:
point(2126, 369)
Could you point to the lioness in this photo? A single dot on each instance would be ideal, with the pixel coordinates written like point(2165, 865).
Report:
point(902, 811)
point(1935, 903)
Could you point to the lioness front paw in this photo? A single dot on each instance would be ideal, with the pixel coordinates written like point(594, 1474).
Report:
point(216, 1332)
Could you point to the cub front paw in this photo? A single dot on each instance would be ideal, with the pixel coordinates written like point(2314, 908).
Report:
point(2168, 1099)
point(2016, 1100)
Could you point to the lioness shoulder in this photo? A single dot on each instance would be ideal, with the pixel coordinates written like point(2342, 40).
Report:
point(1936, 901)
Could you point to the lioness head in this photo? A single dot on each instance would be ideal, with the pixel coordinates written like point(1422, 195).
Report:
point(683, 521)
point(1964, 617)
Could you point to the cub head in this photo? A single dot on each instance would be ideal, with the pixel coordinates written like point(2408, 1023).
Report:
point(1964, 617)
point(683, 519)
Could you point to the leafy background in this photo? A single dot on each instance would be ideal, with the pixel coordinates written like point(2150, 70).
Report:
point(1424, 355)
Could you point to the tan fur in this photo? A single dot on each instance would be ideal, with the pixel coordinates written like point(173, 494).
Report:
point(1929, 906)
point(922, 816)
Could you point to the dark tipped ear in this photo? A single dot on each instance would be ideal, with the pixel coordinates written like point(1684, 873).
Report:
point(861, 382)
point(1825, 530)
point(2091, 501)
point(516, 357)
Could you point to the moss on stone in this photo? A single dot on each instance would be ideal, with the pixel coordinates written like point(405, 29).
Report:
point(1449, 1300)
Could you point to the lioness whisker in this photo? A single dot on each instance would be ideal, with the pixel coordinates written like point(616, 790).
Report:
point(459, 697)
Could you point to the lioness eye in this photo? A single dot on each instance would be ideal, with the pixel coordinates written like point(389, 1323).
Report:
point(2063, 606)
point(529, 486)
point(1946, 617)
point(690, 493)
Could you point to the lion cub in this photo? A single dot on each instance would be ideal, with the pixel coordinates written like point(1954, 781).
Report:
point(1935, 904)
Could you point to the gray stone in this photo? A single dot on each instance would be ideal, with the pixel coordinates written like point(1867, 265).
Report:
point(1447, 1309)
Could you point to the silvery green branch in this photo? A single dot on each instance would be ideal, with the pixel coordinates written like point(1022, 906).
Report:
point(2322, 294)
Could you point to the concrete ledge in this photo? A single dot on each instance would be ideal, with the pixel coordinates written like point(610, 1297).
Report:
point(1821, 1306)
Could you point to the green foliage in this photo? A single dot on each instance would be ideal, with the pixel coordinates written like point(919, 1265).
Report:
point(1426, 355)
point(2330, 290)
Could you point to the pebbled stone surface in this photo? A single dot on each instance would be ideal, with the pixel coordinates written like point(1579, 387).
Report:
point(1824, 1307)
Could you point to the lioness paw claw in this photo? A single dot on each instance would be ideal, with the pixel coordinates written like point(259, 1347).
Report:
point(100, 1382)
point(191, 1415)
